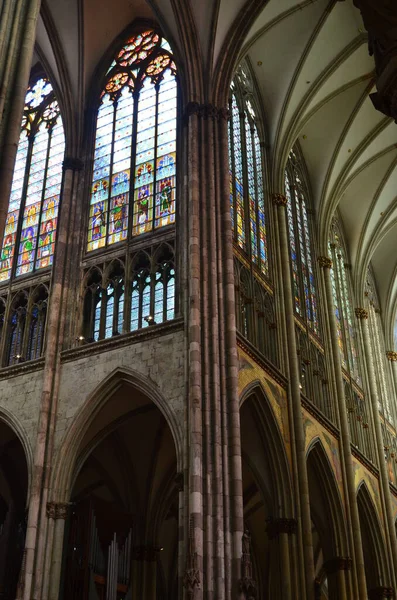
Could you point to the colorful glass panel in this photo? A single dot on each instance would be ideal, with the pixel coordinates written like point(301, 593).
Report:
point(305, 295)
point(31, 220)
point(135, 150)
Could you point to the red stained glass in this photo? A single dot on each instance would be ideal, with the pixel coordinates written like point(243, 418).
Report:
point(36, 185)
point(147, 193)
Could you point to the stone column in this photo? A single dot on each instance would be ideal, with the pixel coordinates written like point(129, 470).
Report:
point(296, 418)
point(381, 593)
point(355, 537)
point(214, 516)
point(391, 356)
point(362, 316)
point(281, 530)
point(57, 514)
point(36, 537)
point(12, 99)
point(337, 570)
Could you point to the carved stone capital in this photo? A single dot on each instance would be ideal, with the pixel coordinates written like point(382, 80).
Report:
point(247, 586)
point(279, 199)
point(325, 262)
point(339, 563)
point(380, 593)
point(206, 111)
point(276, 526)
point(391, 355)
point(74, 164)
point(57, 510)
point(361, 313)
point(191, 577)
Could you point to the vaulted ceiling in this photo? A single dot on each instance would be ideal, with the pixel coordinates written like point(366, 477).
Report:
point(314, 75)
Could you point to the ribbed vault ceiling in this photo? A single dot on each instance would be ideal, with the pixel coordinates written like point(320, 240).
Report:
point(314, 75)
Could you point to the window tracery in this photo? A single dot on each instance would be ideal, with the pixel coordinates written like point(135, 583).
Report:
point(24, 328)
point(377, 345)
point(347, 335)
point(118, 300)
point(255, 313)
point(247, 194)
point(29, 237)
point(134, 174)
point(301, 248)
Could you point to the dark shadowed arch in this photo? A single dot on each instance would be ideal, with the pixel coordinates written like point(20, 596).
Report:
point(375, 558)
point(329, 532)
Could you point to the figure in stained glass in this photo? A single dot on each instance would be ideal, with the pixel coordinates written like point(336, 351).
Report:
point(136, 128)
point(39, 163)
point(246, 172)
point(98, 221)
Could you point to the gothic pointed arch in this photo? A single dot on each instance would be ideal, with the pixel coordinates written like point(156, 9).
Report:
point(14, 487)
point(375, 560)
point(29, 236)
point(267, 490)
point(330, 545)
point(132, 206)
point(118, 466)
point(255, 304)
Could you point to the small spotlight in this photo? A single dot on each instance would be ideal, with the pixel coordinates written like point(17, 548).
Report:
point(300, 386)
point(150, 320)
point(81, 338)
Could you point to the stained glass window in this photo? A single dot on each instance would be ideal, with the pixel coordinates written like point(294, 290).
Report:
point(247, 200)
point(347, 337)
point(303, 278)
point(377, 344)
point(31, 222)
point(134, 173)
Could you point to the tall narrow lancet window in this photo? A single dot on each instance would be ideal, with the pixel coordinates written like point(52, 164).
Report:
point(255, 307)
point(30, 230)
point(247, 194)
point(377, 345)
point(133, 188)
point(347, 336)
point(302, 263)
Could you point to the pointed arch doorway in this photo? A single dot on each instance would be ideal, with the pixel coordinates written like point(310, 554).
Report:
point(121, 537)
point(13, 501)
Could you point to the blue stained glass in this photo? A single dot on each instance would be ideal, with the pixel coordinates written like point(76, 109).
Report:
point(122, 144)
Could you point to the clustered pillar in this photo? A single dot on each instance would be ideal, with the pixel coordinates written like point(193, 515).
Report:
point(362, 316)
point(301, 481)
point(214, 519)
point(40, 530)
point(359, 581)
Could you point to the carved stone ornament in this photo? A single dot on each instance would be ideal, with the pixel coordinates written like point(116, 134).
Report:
point(57, 510)
point(276, 526)
point(361, 313)
point(391, 355)
point(191, 578)
point(380, 593)
point(247, 584)
point(74, 164)
point(325, 262)
point(339, 563)
point(206, 111)
point(279, 199)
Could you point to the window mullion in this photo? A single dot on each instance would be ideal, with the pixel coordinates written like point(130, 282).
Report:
point(247, 220)
point(157, 88)
point(233, 173)
point(22, 205)
point(115, 103)
point(131, 201)
point(42, 195)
